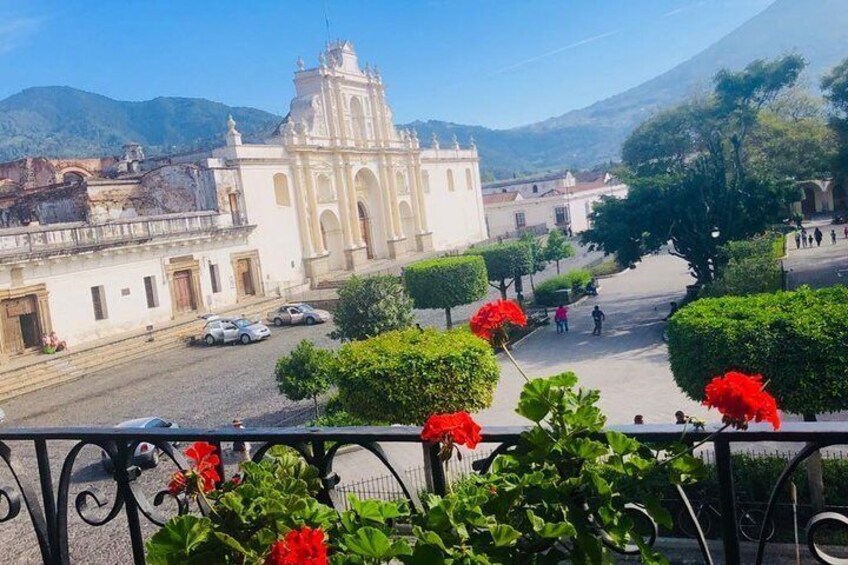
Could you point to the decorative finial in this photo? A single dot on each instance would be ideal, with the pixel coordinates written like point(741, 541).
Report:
point(415, 134)
point(434, 141)
point(322, 60)
point(455, 142)
point(300, 64)
point(473, 143)
point(233, 136)
point(377, 72)
point(231, 124)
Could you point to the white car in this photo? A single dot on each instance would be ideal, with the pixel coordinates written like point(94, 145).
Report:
point(146, 454)
point(294, 314)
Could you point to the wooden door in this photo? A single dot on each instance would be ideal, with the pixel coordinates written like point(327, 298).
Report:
point(13, 311)
point(184, 292)
point(364, 229)
point(245, 275)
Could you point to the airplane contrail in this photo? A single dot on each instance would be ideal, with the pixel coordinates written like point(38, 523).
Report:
point(554, 52)
point(683, 9)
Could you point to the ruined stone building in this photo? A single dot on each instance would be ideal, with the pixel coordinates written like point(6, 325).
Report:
point(94, 247)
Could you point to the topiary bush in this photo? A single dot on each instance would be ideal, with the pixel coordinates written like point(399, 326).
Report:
point(305, 373)
point(402, 377)
point(797, 339)
point(446, 282)
point(546, 291)
point(369, 306)
point(505, 262)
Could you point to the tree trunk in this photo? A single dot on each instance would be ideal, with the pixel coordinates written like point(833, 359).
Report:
point(557, 262)
point(448, 321)
point(815, 476)
point(502, 288)
point(315, 405)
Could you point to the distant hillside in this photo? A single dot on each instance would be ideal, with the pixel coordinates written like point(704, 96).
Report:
point(60, 121)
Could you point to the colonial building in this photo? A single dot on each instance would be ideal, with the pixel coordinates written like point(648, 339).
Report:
point(820, 197)
point(562, 200)
point(93, 247)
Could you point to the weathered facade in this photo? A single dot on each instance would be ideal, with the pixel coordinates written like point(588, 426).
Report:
point(91, 247)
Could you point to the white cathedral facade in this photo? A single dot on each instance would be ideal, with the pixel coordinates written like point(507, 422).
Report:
point(90, 248)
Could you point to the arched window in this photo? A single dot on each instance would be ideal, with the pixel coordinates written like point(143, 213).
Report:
point(469, 180)
point(425, 181)
point(451, 186)
point(72, 178)
point(535, 189)
point(281, 190)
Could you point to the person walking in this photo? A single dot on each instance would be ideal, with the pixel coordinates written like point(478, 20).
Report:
point(819, 236)
point(810, 241)
point(241, 448)
point(833, 237)
point(803, 237)
point(797, 240)
point(598, 316)
point(679, 417)
point(845, 231)
point(561, 318)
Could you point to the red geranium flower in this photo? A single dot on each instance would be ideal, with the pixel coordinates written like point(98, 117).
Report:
point(453, 429)
point(741, 399)
point(492, 318)
point(203, 473)
point(303, 546)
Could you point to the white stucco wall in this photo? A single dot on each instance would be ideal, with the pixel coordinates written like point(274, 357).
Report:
point(455, 217)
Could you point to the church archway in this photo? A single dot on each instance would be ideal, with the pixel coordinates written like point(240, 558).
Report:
point(371, 213)
point(808, 204)
point(331, 232)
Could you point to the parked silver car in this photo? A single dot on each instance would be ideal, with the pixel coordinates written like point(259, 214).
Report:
point(293, 314)
point(231, 330)
point(146, 454)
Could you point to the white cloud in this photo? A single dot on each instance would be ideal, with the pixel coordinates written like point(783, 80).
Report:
point(16, 29)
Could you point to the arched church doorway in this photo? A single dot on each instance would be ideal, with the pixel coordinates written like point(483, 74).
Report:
point(407, 222)
point(808, 204)
point(331, 232)
point(365, 228)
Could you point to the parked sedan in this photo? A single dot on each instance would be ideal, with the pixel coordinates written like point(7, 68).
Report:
point(146, 454)
point(250, 330)
point(220, 330)
point(293, 314)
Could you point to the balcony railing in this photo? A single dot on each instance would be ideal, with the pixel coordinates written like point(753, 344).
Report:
point(82, 237)
point(37, 502)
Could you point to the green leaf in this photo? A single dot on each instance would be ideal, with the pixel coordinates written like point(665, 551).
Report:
point(369, 542)
point(621, 444)
point(504, 535)
point(178, 540)
point(534, 403)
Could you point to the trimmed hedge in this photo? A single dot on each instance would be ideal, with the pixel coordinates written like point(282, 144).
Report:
point(572, 280)
point(446, 282)
point(369, 306)
point(796, 340)
point(403, 377)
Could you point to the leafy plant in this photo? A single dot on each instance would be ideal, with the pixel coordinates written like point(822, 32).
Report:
point(370, 306)
point(748, 267)
point(402, 377)
point(546, 293)
point(537, 252)
point(305, 373)
point(505, 262)
point(446, 282)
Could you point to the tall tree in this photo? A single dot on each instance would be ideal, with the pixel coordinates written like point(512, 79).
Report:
point(835, 88)
point(693, 180)
point(537, 252)
point(557, 248)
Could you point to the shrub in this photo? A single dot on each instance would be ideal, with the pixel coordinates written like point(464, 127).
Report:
point(446, 282)
point(546, 291)
point(305, 373)
point(403, 377)
point(370, 306)
point(797, 339)
point(606, 268)
point(749, 267)
point(505, 262)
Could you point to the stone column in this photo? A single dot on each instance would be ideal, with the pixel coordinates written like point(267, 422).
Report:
point(353, 211)
point(344, 210)
point(313, 213)
point(422, 208)
point(393, 201)
point(414, 189)
point(385, 203)
point(302, 211)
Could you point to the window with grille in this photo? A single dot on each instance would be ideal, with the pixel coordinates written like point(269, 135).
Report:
point(150, 291)
point(215, 277)
point(520, 220)
point(98, 299)
point(562, 215)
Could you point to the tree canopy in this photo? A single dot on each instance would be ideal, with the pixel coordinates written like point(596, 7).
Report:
point(370, 306)
point(557, 248)
point(446, 282)
point(505, 262)
point(835, 88)
point(701, 174)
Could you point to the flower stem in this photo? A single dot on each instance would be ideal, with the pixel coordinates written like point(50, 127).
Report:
point(694, 447)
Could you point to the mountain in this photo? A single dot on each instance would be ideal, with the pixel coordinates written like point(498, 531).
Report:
point(816, 29)
point(59, 121)
point(62, 121)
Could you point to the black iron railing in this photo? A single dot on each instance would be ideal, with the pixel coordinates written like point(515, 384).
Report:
point(35, 497)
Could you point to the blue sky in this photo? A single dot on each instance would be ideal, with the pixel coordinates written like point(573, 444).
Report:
point(496, 63)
